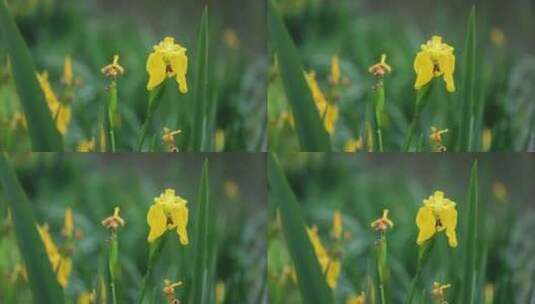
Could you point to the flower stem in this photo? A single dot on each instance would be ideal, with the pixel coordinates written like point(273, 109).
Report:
point(154, 255)
point(421, 95)
point(379, 104)
point(113, 264)
point(381, 265)
point(154, 102)
point(112, 112)
point(423, 257)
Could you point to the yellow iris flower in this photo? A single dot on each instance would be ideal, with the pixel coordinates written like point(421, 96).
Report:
point(331, 267)
point(60, 113)
point(328, 112)
point(434, 60)
point(62, 265)
point(437, 214)
point(168, 212)
point(167, 60)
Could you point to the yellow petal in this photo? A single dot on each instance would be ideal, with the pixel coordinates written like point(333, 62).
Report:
point(50, 247)
point(332, 273)
point(157, 221)
point(447, 66)
point(157, 70)
point(448, 217)
point(179, 215)
point(68, 224)
point(64, 271)
point(179, 64)
point(425, 220)
point(423, 66)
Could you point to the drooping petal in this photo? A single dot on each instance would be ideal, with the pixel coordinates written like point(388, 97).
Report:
point(50, 247)
point(423, 66)
point(64, 271)
point(425, 220)
point(179, 215)
point(157, 70)
point(157, 222)
point(447, 66)
point(333, 271)
point(448, 217)
point(179, 64)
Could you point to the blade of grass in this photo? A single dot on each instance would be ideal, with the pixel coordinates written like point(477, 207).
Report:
point(312, 136)
point(201, 285)
point(200, 91)
point(470, 273)
point(468, 85)
point(312, 283)
point(43, 133)
point(43, 284)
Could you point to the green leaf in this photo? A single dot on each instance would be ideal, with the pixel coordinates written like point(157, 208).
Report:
point(312, 282)
point(43, 133)
point(201, 285)
point(200, 90)
point(45, 289)
point(470, 275)
point(467, 102)
point(312, 136)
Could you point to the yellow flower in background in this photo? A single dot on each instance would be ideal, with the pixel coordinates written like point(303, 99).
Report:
point(354, 299)
point(486, 140)
point(168, 60)
point(114, 69)
point(438, 291)
point(60, 264)
point(68, 224)
point(497, 36)
point(232, 191)
point(86, 146)
point(219, 140)
point(337, 229)
point(60, 113)
point(383, 223)
point(167, 213)
point(354, 145)
point(335, 70)
point(115, 221)
point(331, 267)
point(436, 139)
point(499, 190)
point(220, 292)
point(434, 60)
point(230, 38)
point(380, 69)
point(489, 293)
point(68, 75)
point(169, 291)
point(86, 298)
point(328, 112)
point(437, 214)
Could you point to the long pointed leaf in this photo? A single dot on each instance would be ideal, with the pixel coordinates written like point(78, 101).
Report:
point(312, 136)
point(470, 275)
point(467, 96)
point(312, 283)
point(45, 289)
point(43, 133)
point(200, 91)
point(202, 283)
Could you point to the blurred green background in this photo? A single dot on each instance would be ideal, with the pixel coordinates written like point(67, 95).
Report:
point(360, 186)
point(91, 32)
point(360, 31)
point(93, 184)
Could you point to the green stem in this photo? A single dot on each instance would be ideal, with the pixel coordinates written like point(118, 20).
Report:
point(420, 103)
point(154, 102)
point(381, 265)
point(154, 254)
point(380, 139)
point(113, 264)
point(112, 112)
point(423, 257)
point(144, 132)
